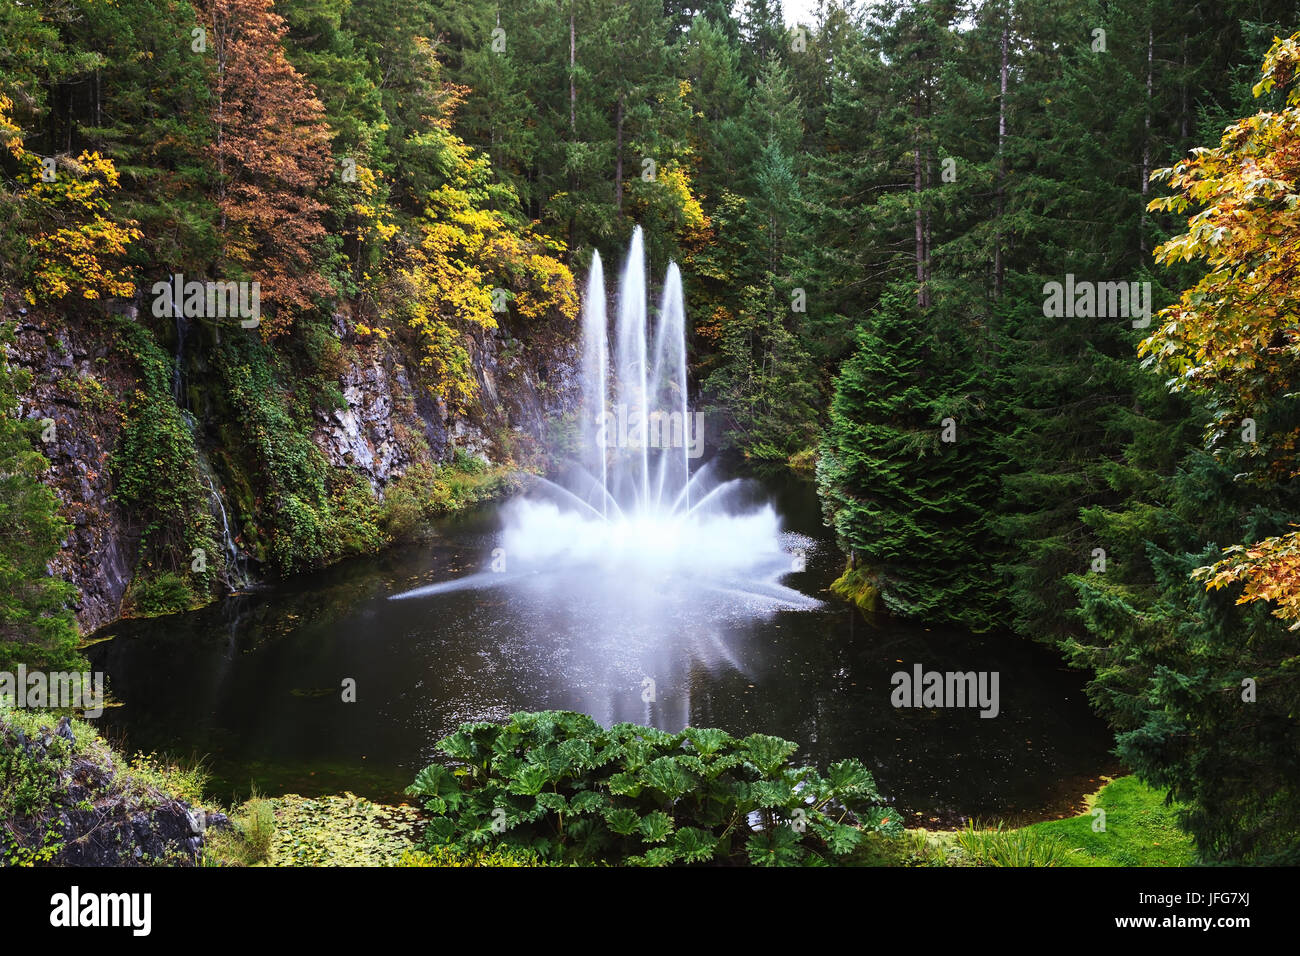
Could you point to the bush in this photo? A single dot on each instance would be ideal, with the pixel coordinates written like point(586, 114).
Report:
point(248, 843)
point(164, 593)
point(502, 856)
point(37, 626)
point(1023, 847)
point(558, 784)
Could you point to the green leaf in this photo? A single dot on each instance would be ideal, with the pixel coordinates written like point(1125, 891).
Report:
point(839, 838)
point(694, 845)
point(624, 785)
point(553, 802)
point(589, 801)
point(707, 740)
point(850, 779)
point(660, 856)
point(776, 847)
point(667, 777)
point(472, 743)
point(434, 780)
point(622, 821)
point(772, 793)
point(530, 780)
point(767, 753)
point(655, 827)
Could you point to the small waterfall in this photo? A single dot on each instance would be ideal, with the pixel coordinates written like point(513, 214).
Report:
point(178, 370)
point(236, 575)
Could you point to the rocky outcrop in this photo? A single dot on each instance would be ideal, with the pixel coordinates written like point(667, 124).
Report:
point(76, 392)
point(366, 434)
point(95, 811)
point(383, 422)
point(386, 422)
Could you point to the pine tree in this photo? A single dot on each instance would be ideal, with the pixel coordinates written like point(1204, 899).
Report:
point(906, 474)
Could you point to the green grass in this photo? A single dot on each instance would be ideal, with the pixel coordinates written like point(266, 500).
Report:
point(1140, 830)
point(1015, 847)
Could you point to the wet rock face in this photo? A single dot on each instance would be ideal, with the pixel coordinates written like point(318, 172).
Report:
point(76, 390)
point(384, 422)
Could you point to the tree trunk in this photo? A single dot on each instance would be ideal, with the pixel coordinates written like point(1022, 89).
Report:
point(573, 89)
point(1146, 146)
point(917, 215)
point(618, 158)
point(999, 267)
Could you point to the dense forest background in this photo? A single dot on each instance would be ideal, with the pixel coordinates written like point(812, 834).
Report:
point(866, 210)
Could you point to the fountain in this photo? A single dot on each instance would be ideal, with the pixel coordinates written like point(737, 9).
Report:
point(633, 509)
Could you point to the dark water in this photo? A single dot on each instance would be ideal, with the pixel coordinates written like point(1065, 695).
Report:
point(253, 684)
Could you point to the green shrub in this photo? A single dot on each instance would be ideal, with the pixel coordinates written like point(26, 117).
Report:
point(183, 779)
point(248, 842)
point(558, 784)
point(164, 593)
point(999, 847)
point(468, 464)
point(37, 626)
point(501, 856)
point(30, 775)
point(426, 491)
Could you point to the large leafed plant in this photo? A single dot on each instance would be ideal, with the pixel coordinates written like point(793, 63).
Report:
point(562, 786)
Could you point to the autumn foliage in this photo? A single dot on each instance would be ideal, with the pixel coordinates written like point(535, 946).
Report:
point(1235, 335)
point(272, 156)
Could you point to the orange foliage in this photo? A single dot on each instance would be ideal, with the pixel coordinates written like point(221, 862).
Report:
point(272, 152)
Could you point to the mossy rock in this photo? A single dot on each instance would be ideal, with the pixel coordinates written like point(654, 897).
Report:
point(858, 587)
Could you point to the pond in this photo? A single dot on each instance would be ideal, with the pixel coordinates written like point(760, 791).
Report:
point(254, 683)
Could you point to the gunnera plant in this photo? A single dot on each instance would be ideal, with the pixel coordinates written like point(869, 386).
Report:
point(557, 784)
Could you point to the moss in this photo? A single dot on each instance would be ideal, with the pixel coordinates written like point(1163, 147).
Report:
point(858, 587)
point(803, 462)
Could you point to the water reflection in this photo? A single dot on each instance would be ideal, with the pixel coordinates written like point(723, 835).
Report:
point(255, 681)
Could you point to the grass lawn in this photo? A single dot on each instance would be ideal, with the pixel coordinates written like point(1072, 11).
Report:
point(1140, 830)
